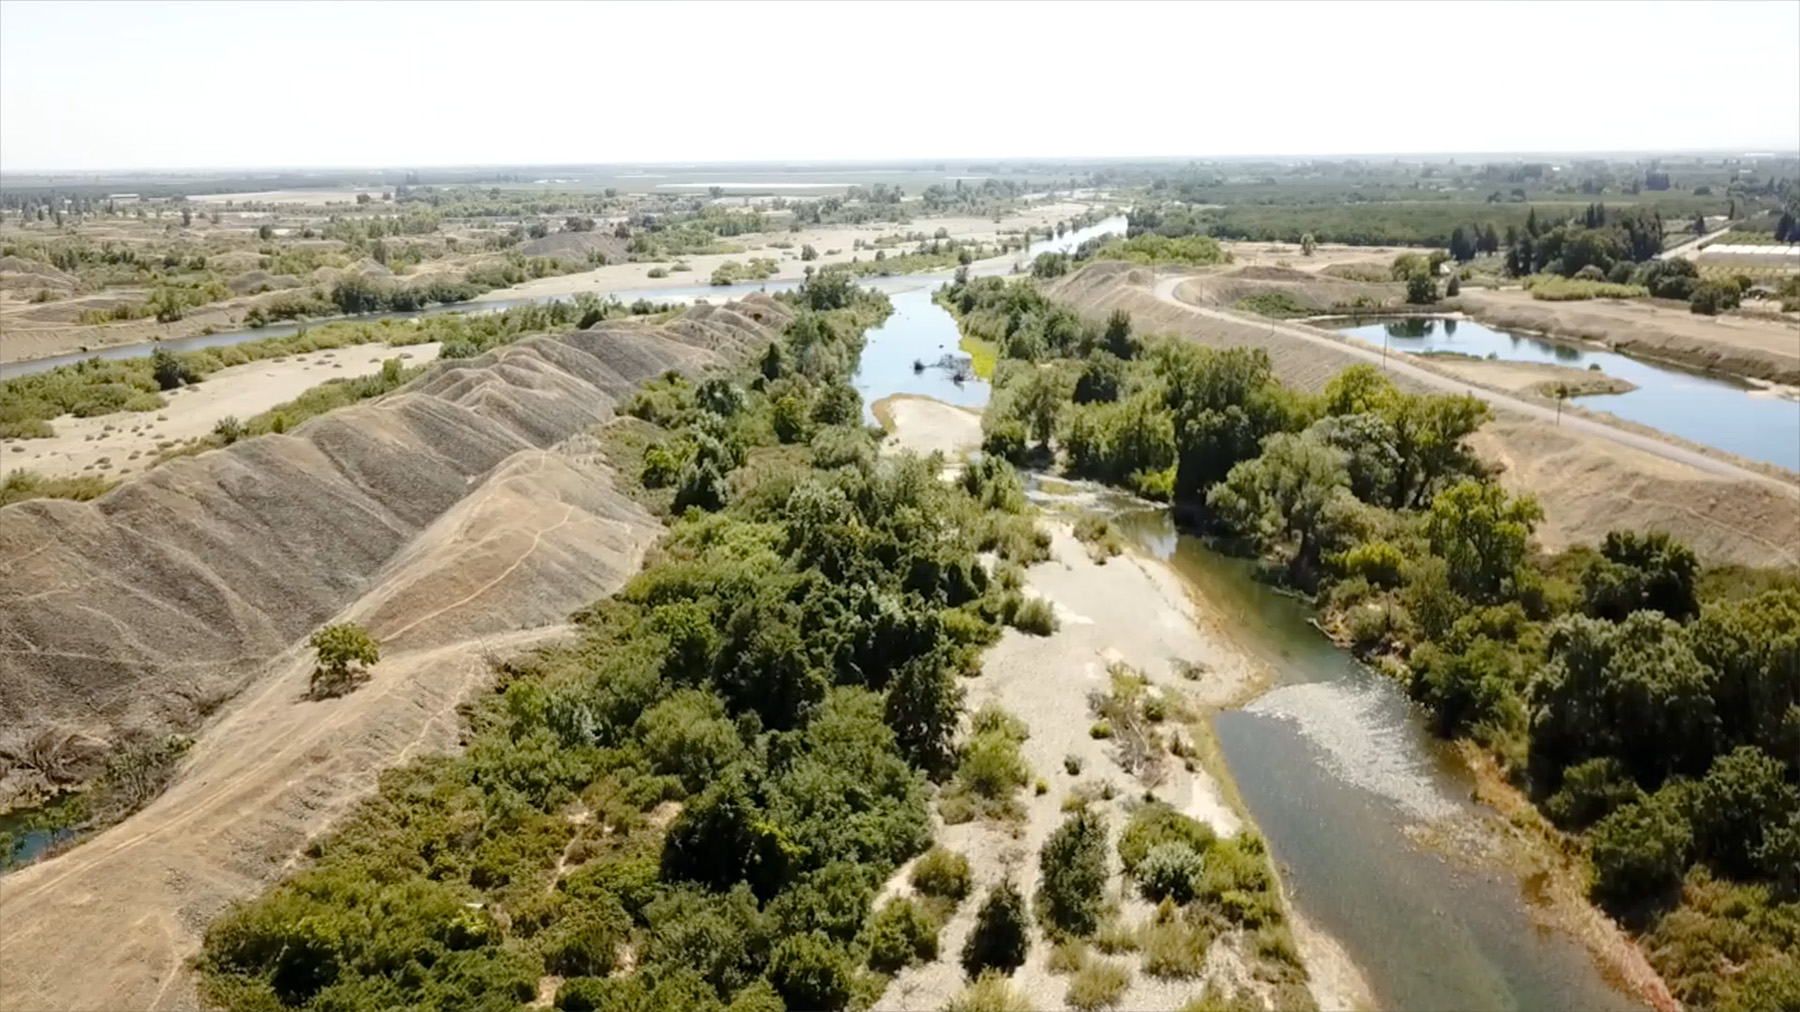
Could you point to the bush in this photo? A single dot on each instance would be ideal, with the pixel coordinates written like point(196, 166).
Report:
point(1072, 865)
point(1067, 956)
point(1007, 440)
point(1155, 823)
point(1714, 297)
point(999, 939)
point(1172, 947)
point(1421, 290)
point(991, 992)
point(900, 934)
point(1072, 764)
point(229, 429)
point(1099, 984)
point(344, 652)
point(1035, 615)
point(1100, 730)
point(810, 973)
point(1171, 871)
point(942, 873)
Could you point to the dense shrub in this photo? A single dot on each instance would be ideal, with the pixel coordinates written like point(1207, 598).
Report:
point(1001, 933)
point(1072, 869)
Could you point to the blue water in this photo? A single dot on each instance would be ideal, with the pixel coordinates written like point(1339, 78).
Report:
point(1345, 781)
point(918, 330)
point(1709, 410)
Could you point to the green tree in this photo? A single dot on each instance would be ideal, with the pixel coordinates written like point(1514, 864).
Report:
point(1000, 936)
point(168, 368)
point(1634, 691)
point(1072, 866)
point(924, 703)
point(1744, 795)
point(1421, 289)
point(1290, 494)
point(1639, 852)
point(1482, 534)
point(1039, 398)
point(1636, 571)
point(1307, 244)
point(1753, 648)
point(344, 652)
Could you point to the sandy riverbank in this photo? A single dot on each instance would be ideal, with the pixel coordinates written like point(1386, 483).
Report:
point(121, 443)
point(927, 425)
point(1126, 610)
point(1537, 378)
point(824, 239)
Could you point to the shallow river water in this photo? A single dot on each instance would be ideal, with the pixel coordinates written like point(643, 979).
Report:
point(1336, 769)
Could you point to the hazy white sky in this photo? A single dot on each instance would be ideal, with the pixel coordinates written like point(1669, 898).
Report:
point(177, 85)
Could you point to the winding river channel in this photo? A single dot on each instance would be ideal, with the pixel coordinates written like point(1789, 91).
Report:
point(1367, 814)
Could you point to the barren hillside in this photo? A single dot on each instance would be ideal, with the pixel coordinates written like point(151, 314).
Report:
point(459, 520)
point(146, 609)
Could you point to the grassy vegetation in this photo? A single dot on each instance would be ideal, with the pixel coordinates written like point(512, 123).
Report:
point(1280, 305)
point(935, 255)
point(22, 484)
point(1645, 704)
point(1149, 248)
point(102, 386)
point(731, 272)
point(1554, 288)
point(786, 673)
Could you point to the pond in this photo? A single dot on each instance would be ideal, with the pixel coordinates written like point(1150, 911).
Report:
point(1709, 410)
point(1344, 780)
point(27, 832)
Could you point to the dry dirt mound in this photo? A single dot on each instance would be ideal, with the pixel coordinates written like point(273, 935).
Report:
point(576, 246)
point(1302, 290)
point(147, 608)
point(32, 275)
point(1587, 485)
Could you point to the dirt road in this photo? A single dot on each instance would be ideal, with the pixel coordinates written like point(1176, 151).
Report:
point(1165, 291)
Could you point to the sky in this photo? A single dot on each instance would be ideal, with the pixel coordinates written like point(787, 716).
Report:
point(144, 85)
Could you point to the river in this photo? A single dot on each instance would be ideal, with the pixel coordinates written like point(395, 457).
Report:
point(1336, 768)
point(892, 284)
point(1710, 410)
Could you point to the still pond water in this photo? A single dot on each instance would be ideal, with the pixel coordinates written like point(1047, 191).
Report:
point(1709, 410)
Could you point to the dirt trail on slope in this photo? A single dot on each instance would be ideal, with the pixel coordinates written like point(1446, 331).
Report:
point(461, 519)
point(113, 923)
point(1590, 477)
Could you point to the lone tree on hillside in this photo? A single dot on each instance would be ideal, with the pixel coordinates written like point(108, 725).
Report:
point(345, 652)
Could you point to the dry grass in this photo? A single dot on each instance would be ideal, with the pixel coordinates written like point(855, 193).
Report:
point(1100, 984)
